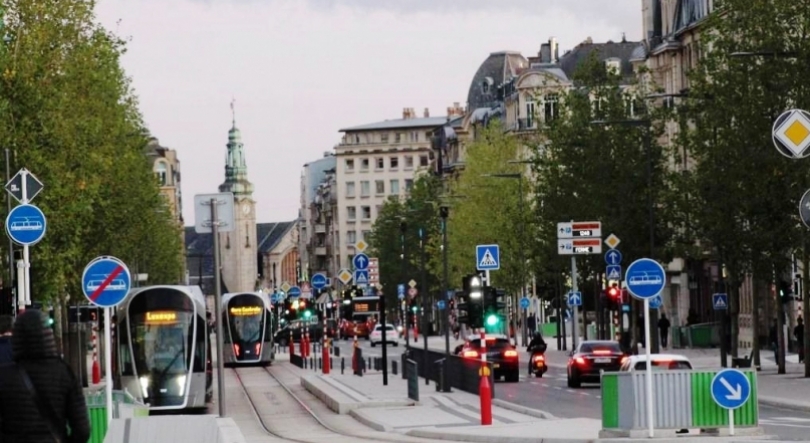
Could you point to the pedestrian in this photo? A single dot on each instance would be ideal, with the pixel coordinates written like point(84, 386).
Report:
point(532, 323)
point(663, 328)
point(40, 397)
point(798, 334)
point(5, 339)
point(773, 337)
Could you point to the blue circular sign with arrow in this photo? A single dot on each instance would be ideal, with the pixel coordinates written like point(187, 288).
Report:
point(645, 278)
point(26, 225)
point(730, 389)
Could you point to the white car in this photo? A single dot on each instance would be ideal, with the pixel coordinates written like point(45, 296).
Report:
point(391, 335)
point(660, 362)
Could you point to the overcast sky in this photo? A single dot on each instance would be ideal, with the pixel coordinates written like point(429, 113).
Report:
point(299, 70)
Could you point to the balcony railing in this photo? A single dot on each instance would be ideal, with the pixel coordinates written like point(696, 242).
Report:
point(320, 228)
point(320, 251)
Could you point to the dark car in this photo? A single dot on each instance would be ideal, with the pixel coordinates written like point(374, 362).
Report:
point(502, 354)
point(586, 363)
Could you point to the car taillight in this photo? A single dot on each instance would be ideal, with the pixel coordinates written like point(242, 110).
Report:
point(580, 360)
point(601, 352)
point(510, 353)
point(470, 354)
point(236, 349)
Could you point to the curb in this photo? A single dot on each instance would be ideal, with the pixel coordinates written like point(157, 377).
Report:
point(777, 402)
point(360, 416)
point(449, 436)
point(523, 409)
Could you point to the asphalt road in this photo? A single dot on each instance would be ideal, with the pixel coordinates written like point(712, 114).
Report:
point(551, 394)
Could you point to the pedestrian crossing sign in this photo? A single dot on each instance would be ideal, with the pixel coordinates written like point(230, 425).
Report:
point(720, 302)
point(361, 277)
point(487, 257)
point(614, 272)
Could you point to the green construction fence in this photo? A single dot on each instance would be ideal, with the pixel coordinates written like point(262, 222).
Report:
point(124, 406)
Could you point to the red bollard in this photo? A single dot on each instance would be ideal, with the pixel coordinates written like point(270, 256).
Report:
point(485, 393)
point(96, 372)
point(292, 345)
point(301, 346)
point(307, 344)
point(325, 356)
point(415, 333)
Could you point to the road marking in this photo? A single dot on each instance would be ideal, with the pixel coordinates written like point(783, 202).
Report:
point(545, 385)
point(534, 382)
point(598, 396)
point(571, 391)
point(558, 388)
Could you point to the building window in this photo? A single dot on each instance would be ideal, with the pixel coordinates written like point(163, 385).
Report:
point(351, 213)
point(397, 137)
point(394, 187)
point(428, 136)
point(365, 188)
point(349, 164)
point(365, 212)
point(364, 164)
point(351, 237)
point(408, 184)
point(380, 163)
point(550, 107)
point(414, 137)
point(161, 173)
point(384, 137)
point(349, 189)
point(423, 160)
point(529, 114)
point(408, 162)
point(394, 162)
point(379, 187)
point(366, 236)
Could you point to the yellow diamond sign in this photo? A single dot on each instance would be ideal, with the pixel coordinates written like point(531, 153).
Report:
point(791, 133)
point(612, 241)
point(285, 287)
point(361, 246)
point(345, 276)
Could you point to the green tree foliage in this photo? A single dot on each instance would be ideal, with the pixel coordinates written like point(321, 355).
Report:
point(488, 210)
point(70, 117)
point(743, 193)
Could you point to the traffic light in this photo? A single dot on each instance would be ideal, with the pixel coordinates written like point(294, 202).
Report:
point(473, 286)
point(614, 297)
point(785, 291)
point(51, 321)
point(491, 307)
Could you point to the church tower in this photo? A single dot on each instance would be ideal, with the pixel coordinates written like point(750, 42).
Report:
point(238, 247)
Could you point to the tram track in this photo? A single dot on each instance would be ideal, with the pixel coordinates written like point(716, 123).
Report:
point(283, 414)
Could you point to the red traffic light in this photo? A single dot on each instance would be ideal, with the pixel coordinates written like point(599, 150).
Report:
point(613, 292)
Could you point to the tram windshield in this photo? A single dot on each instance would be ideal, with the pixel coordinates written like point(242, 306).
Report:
point(162, 342)
point(246, 323)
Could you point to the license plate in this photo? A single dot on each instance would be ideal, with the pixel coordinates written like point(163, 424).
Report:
point(496, 365)
point(602, 360)
point(539, 364)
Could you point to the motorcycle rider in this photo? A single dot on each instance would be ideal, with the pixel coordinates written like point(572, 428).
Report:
point(536, 346)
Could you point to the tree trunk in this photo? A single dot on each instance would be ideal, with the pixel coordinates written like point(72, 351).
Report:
point(734, 313)
point(755, 298)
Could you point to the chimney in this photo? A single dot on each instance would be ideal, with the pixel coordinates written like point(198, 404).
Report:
point(545, 53)
point(427, 112)
point(406, 113)
point(554, 50)
point(455, 111)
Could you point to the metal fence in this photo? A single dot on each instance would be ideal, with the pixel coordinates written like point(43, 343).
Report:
point(124, 406)
point(460, 373)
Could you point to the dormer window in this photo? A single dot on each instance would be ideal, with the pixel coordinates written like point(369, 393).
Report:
point(613, 65)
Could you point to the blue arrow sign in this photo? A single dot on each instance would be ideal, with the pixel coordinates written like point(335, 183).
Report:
point(613, 257)
point(730, 388)
point(293, 292)
point(487, 257)
point(361, 277)
point(656, 302)
point(613, 272)
point(720, 301)
point(450, 294)
point(645, 278)
point(318, 281)
point(524, 303)
point(106, 281)
point(26, 225)
point(440, 304)
point(360, 262)
point(575, 298)
point(401, 291)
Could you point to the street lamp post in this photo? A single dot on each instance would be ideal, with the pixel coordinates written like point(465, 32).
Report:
point(403, 228)
point(645, 124)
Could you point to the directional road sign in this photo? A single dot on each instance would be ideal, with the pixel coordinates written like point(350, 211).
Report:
point(319, 281)
point(401, 291)
point(791, 133)
point(804, 208)
point(294, 291)
point(730, 388)
point(613, 257)
point(440, 304)
point(361, 277)
point(656, 302)
point(360, 262)
point(26, 225)
point(579, 229)
point(345, 276)
point(487, 257)
point(575, 298)
point(524, 303)
point(720, 301)
point(24, 180)
point(614, 272)
point(579, 246)
point(645, 278)
point(106, 281)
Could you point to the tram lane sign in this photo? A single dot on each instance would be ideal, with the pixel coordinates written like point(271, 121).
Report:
point(319, 281)
point(26, 225)
point(645, 278)
point(294, 291)
point(106, 281)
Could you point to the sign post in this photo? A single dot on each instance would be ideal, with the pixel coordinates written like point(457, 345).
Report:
point(105, 283)
point(214, 213)
point(645, 280)
point(731, 389)
point(25, 225)
point(578, 238)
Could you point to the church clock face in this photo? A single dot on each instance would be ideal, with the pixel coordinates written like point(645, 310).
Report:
point(246, 209)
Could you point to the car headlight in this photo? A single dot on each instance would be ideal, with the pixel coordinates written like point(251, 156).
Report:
point(181, 382)
point(144, 386)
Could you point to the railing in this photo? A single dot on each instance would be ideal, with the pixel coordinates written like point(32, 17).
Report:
point(460, 373)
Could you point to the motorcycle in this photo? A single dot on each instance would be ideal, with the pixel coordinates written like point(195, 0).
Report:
point(539, 366)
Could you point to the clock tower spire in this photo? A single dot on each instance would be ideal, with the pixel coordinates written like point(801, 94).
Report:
point(238, 248)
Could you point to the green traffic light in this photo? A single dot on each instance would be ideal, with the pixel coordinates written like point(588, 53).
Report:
point(413, 309)
point(492, 320)
point(307, 314)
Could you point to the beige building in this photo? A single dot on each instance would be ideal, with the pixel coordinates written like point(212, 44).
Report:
point(278, 255)
point(316, 219)
point(166, 167)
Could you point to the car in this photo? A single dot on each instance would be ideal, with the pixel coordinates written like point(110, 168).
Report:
point(590, 358)
point(391, 334)
point(500, 351)
point(660, 362)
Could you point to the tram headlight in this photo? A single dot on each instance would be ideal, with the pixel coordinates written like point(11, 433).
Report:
point(181, 382)
point(144, 386)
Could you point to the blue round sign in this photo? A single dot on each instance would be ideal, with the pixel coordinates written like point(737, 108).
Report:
point(613, 257)
point(293, 292)
point(730, 388)
point(106, 281)
point(26, 225)
point(656, 302)
point(524, 303)
point(440, 304)
point(318, 281)
point(645, 278)
point(360, 261)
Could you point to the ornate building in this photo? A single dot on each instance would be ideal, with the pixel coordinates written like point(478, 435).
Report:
point(166, 167)
point(239, 247)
